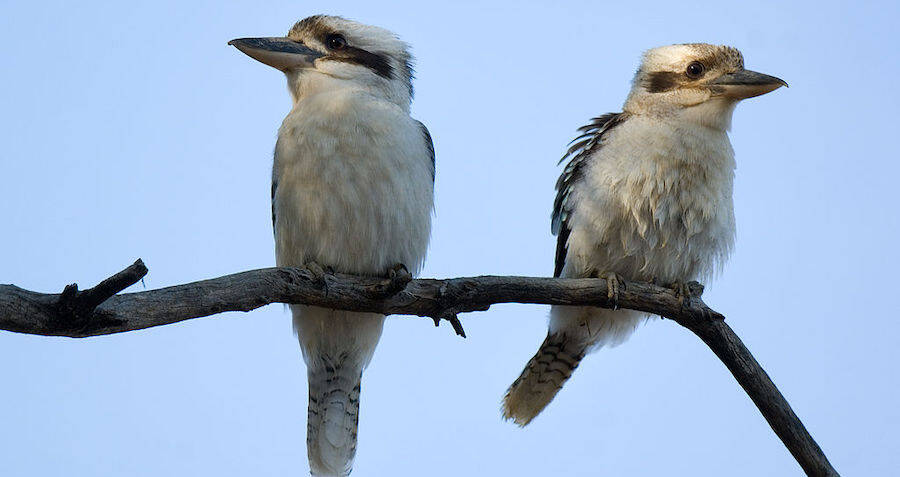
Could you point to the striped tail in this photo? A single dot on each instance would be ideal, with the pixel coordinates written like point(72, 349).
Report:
point(333, 419)
point(542, 378)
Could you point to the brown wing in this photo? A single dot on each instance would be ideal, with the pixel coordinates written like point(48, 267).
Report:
point(581, 149)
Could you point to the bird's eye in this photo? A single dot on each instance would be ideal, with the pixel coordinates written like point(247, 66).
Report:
point(335, 41)
point(695, 70)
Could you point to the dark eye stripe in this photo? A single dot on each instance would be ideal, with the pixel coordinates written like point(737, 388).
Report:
point(380, 64)
point(661, 81)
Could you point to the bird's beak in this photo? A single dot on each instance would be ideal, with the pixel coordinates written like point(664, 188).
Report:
point(745, 84)
point(281, 53)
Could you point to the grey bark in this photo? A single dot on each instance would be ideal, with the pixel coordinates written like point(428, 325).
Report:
point(100, 311)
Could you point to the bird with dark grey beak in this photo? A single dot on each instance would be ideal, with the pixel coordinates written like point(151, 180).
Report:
point(353, 192)
point(646, 196)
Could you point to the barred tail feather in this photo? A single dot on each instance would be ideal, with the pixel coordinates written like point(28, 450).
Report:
point(542, 378)
point(333, 419)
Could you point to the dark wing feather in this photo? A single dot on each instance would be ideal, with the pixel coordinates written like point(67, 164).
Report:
point(430, 144)
point(274, 188)
point(580, 150)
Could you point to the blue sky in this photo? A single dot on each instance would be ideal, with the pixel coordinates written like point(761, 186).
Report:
point(130, 129)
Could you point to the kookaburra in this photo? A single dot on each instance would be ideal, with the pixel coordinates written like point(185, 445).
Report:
point(646, 196)
point(352, 191)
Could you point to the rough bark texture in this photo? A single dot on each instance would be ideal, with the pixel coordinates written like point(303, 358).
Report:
point(99, 311)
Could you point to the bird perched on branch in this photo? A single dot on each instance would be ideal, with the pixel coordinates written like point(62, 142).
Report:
point(646, 196)
point(352, 191)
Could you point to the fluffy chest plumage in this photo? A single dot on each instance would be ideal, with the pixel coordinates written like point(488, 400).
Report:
point(655, 202)
point(352, 185)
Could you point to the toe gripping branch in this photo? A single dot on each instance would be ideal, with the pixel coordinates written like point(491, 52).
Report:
point(398, 278)
point(691, 304)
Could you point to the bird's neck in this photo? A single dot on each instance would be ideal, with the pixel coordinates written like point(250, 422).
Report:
point(307, 85)
point(714, 113)
point(674, 142)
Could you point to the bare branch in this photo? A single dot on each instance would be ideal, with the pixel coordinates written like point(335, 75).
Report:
point(26, 311)
point(75, 308)
point(759, 386)
point(98, 311)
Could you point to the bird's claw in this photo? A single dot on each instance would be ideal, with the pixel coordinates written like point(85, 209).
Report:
point(398, 270)
point(398, 277)
point(614, 283)
point(686, 291)
point(319, 273)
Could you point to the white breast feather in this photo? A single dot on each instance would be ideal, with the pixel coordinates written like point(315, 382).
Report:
point(655, 204)
point(354, 185)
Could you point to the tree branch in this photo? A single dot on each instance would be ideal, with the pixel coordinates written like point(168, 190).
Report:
point(722, 340)
point(99, 311)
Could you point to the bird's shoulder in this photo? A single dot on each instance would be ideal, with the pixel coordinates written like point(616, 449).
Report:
point(580, 151)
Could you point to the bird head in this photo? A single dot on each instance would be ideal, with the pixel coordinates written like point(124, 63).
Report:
point(322, 53)
point(695, 82)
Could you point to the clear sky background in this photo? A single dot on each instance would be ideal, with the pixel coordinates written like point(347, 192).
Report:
point(130, 129)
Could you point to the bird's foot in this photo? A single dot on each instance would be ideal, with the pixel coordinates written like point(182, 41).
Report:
point(398, 277)
point(614, 283)
point(319, 273)
point(686, 291)
point(398, 270)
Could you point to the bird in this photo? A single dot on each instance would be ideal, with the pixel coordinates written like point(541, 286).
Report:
point(646, 195)
point(352, 192)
